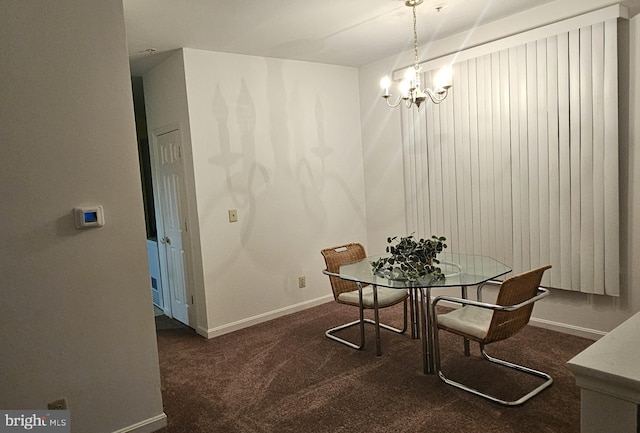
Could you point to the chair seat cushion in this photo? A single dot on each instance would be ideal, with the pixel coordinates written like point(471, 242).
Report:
point(468, 320)
point(386, 296)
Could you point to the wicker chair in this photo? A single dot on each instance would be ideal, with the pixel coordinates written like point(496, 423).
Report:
point(488, 323)
point(352, 293)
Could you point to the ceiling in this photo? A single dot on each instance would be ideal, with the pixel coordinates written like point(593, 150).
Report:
point(341, 32)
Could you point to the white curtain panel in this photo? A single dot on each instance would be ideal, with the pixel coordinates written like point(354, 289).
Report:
point(520, 162)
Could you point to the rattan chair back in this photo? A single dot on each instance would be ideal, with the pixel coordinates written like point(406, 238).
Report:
point(513, 291)
point(340, 255)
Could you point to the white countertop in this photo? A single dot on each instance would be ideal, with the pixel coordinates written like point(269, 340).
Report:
point(611, 365)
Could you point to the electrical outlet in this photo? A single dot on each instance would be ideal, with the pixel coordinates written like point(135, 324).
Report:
point(60, 404)
point(302, 282)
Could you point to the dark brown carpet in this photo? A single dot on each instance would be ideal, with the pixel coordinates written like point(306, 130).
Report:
point(285, 376)
point(163, 323)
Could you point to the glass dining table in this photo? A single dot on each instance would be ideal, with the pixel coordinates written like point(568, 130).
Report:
point(459, 270)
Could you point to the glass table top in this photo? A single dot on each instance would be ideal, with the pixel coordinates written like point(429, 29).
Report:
point(458, 269)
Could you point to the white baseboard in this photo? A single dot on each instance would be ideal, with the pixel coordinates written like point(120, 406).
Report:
point(591, 334)
point(260, 318)
point(147, 426)
point(565, 328)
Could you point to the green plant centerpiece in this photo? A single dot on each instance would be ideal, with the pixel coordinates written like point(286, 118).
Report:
point(411, 259)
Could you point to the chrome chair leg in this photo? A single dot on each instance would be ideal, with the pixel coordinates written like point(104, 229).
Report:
point(330, 333)
point(547, 383)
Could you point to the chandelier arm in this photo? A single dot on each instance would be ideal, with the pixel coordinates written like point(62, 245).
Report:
point(394, 105)
point(437, 97)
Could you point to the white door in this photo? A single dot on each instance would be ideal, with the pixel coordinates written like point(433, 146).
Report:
point(171, 197)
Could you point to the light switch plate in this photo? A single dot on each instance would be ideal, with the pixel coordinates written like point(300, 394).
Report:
point(233, 215)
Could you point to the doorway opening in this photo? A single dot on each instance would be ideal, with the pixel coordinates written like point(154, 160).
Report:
point(162, 178)
point(144, 159)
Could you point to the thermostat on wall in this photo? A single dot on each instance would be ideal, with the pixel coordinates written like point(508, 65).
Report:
point(89, 216)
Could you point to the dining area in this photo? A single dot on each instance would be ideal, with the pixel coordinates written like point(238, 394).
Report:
point(410, 273)
point(286, 376)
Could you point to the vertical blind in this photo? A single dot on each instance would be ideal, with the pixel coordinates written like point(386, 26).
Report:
point(520, 162)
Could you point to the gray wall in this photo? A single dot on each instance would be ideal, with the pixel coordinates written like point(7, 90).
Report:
point(278, 140)
point(76, 316)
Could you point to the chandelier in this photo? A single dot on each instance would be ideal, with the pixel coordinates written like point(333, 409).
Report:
point(410, 91)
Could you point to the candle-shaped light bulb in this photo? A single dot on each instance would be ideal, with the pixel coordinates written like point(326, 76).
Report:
point(385, 83)
point(410, 77)
point(404, 87)
point(442, 80)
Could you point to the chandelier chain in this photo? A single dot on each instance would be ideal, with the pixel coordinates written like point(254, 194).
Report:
point(415, 38)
